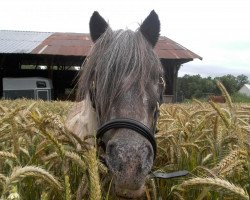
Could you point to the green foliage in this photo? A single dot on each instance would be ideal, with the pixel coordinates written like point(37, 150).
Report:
point(241, 80)
point(195, 86)
point(241, 98)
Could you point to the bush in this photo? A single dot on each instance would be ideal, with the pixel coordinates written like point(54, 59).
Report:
point(240, 98)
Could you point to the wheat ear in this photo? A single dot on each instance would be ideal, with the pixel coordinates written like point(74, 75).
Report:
point(7, 155)
point(14, 194)
point(95, 188)
point(217, 184)
point(42, 130)
point(67, 187)
point(22, 172)
point(70, 155)
point(221, 113)
point(82, 188)
point(227, 165)
point(44, 196)
point(225, 94)
point(2, 179)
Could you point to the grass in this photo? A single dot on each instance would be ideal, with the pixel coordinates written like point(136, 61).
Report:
point(39, 158)
point(241, 98)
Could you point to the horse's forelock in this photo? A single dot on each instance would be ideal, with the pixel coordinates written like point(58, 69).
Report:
point(119, 61)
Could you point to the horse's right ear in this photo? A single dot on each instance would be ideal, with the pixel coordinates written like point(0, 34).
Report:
point(150, 28)
point(97, 26)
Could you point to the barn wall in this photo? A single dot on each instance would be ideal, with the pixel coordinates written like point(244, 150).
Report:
point(10, 66)
point(170, 68)
point(245, 90)
point(61, 79)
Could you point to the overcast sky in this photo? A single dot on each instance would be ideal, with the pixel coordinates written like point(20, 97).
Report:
point(217, 30)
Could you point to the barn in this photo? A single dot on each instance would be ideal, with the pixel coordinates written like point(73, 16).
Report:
point(59, 56)
point(245, 90)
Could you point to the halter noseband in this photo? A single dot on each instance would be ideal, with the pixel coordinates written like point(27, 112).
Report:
point(131, 124)
point(128, 124)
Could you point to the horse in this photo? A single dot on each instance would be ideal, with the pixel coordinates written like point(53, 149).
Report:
point(119, 91)
point(217, 99)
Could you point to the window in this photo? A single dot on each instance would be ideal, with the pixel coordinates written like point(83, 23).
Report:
point(41, 84)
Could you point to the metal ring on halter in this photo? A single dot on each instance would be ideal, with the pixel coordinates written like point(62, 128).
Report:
point(128, 124)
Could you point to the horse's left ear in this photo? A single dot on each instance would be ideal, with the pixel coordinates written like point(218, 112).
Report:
point(150, 28)
point(97, 26)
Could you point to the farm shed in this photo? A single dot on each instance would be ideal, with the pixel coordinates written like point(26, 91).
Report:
point(245, 90)
point(58, 56)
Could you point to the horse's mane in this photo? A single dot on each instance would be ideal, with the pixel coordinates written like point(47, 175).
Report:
point(119, 60)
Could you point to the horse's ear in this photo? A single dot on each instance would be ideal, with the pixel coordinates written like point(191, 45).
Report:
point(150, 28)
point(97, 26)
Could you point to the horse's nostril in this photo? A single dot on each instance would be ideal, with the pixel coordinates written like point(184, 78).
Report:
point(113, 157)
point(147, 159)
point(149, 153)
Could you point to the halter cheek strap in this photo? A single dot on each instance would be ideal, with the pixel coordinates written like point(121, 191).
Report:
point(128, 124)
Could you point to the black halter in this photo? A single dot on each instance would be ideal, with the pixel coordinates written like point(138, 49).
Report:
point(128, 124)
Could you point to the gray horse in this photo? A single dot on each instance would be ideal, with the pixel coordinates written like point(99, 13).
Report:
point(120, 79)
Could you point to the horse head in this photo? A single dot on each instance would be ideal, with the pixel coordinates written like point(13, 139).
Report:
point(123, 77)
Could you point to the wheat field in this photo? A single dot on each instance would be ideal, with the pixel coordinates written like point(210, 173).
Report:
point(39, 158)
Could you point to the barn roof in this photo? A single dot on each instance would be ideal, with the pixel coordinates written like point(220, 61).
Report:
point(75, 44)
point(169, 49)
point(21, 41)
point(247, 86)
point(245, 89)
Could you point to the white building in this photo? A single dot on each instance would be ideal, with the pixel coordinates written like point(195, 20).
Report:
point(245, 89)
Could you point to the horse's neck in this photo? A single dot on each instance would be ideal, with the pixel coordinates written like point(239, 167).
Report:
point(82, 120)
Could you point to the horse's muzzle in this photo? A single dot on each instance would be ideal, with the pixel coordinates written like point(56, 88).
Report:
point(124, 193)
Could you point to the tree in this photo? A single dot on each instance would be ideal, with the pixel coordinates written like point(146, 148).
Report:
point(190, 86)
point(230, 83)
point(209, 86)
point(241, 80)
point(197, 87)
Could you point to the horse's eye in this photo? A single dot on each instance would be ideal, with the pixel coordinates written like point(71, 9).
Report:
point(151, 106)
point(161, 81)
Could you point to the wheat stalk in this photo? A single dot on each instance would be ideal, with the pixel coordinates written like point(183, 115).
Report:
point(95, 188)
point(207, 158)
point(77, 159)
point(33, 171)
point(47, 134)
point(178, 195)
point(221, 113)
point(205, 172)
point(71, 155)
point(82, 188)
point(7, 155)
point(190, 135)
point(2, 179)
point(229, 160)
point(228, 171)
point(67, 187)
point(217, 184)
point(198, 102)
point(11, 115)
point(225, 94)
point(14, 194)
point(44, 196)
